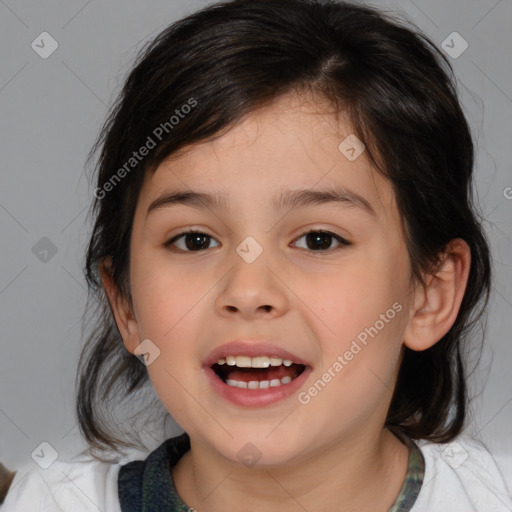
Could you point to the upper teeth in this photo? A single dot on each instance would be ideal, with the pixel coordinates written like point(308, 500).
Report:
point(254, 362)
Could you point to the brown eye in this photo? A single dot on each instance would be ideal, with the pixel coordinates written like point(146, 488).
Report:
point(193, 241)
point(322, 240)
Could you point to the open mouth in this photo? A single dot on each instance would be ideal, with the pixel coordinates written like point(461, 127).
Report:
point(256, 372)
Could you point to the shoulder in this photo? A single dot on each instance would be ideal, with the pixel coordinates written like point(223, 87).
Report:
point(80, 485)
point(463, 475)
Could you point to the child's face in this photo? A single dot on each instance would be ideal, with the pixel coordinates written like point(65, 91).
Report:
point(311, 296)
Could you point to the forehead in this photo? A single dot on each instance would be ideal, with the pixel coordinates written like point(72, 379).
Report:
point(294, 142)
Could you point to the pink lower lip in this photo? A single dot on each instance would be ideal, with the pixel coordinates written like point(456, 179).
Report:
point(256, 397)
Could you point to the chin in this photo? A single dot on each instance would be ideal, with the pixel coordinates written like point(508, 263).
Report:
point(260, 451)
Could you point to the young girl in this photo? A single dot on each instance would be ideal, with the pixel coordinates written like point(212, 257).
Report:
point(285, 249)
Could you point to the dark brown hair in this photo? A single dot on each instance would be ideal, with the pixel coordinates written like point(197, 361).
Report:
point(233, 57)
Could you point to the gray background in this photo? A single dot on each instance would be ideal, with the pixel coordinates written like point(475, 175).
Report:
point(51, 111)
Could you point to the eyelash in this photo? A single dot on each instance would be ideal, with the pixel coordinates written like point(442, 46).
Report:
point(342, 241)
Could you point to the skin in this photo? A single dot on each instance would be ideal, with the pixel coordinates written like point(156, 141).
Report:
point(334, 451)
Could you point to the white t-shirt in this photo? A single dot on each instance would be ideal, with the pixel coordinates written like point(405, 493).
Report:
point(461, 476)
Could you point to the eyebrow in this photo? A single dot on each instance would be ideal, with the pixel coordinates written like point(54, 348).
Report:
point(288, 199)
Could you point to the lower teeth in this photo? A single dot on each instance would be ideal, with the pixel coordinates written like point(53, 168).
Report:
point(256, 384)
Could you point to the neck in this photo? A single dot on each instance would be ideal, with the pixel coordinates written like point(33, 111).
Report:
point(356, 473)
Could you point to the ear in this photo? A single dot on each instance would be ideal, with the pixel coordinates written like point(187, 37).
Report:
point(121, 309)
point(437, 303)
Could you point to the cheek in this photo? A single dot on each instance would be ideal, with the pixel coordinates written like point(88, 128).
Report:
point(168, 308)
point(367, 343)
point(357, 293)
point(363, 318)
point(359, 366)
point(169, 305)
point(166, 297)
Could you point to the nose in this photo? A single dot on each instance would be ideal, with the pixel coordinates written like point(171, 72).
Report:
point(254, 289)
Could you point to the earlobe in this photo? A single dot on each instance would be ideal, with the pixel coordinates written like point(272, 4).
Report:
point(438, 301)
point(121, 309)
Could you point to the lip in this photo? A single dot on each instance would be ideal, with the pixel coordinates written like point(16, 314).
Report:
point(253, 397)
point(250, 349)
point(256, 397)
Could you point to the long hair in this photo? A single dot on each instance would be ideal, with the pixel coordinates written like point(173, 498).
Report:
point(231, 58)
